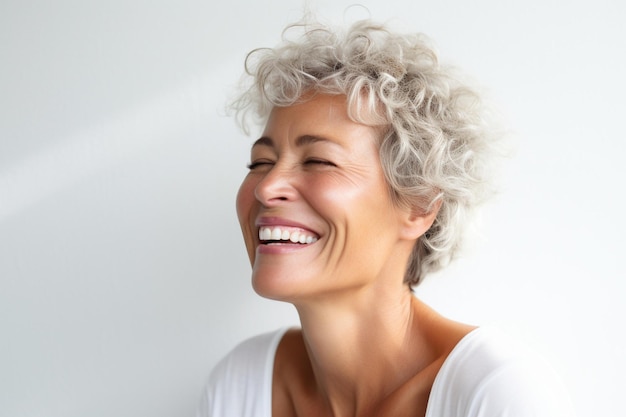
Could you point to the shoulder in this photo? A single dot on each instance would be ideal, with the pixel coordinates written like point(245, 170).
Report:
point(490, 374)
point(249, 357)
point(242, 378)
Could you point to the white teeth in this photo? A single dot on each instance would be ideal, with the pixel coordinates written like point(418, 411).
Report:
point(265, 233)
point(295, 236)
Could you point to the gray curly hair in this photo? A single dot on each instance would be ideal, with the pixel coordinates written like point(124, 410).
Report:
point(435, 142)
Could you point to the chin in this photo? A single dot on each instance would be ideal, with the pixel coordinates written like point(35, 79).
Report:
point(272, 286)
point(276, 285)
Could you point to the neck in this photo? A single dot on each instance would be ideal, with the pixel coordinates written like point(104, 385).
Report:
point(360, 353)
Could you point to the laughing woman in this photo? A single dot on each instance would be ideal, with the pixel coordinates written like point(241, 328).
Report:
point(372, 159)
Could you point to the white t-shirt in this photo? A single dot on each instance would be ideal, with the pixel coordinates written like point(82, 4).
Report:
point(485, 375)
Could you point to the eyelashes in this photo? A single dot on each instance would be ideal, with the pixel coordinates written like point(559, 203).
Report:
point(253, 165)
point(311, 162)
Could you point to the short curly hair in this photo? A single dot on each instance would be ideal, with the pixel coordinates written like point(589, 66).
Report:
point(436, 140)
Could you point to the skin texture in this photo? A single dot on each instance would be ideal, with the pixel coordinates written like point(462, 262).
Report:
point(367, 346)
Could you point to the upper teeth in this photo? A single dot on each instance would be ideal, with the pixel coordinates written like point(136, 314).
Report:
point(277, 233)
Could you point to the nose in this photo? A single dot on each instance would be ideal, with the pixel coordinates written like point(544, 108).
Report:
point(276, 187)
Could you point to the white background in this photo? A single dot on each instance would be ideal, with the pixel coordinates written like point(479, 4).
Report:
point(123, 276)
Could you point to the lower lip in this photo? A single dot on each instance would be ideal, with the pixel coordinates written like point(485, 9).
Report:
point(279, 248)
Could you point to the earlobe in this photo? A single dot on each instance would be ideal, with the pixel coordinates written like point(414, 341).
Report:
point(417, 222)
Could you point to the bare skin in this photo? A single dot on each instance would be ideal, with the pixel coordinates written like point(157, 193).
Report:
point(302, 387)
point(367, 346)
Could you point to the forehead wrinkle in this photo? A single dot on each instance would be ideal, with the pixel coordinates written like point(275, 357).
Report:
point(310, 139)
point(300, 141)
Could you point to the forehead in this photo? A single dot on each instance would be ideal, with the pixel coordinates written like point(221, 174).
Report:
point(318, 119)
point(319, 109)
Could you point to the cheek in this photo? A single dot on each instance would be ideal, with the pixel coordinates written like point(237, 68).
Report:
point(244, 203)
point(363, 211)
point(362, 196)
point(245, 200)
point(332, 190)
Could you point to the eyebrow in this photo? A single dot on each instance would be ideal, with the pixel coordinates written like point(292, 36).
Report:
point(301, 141)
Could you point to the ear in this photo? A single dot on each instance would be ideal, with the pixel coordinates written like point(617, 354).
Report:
point(416, 222)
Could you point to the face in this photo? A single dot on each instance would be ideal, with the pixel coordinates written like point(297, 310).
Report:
point(315, 209)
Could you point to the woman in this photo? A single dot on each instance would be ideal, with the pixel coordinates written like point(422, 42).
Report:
point(372, 158)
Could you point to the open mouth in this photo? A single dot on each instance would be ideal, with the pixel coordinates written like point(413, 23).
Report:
point(280, 235)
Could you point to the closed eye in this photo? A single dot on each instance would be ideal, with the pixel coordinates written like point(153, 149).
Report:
point(256, 164)
point(314, 161)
